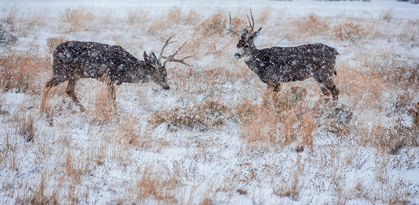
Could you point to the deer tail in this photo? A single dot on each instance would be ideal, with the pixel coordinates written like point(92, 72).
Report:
point(335, 71)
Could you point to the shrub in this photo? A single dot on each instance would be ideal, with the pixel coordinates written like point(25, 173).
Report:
point(312, 25)
point(280, 120)
point(23, 73)
point(214, 25)
point(202, 117)
point(78, 19)
point(53, 42)
point(349, 32)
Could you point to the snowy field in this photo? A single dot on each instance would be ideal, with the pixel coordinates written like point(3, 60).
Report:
point(218, 136)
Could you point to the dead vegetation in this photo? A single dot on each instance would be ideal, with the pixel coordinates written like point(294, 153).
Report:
point(280, 120)
point(214, 25)
point(79, 19)
point(204, 117)
point(23, 73)
point(53, 42)
point(349, 32)
point(312, 25)
point(378, 110)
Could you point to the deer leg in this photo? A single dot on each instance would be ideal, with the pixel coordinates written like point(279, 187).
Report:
point(112, 94)
point(53, 82)
point(324, 90)
point(335, 92)
point(330, 85)
point(70, 92)
point(277, 87)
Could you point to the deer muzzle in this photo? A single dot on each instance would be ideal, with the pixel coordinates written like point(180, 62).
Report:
point(237, 56)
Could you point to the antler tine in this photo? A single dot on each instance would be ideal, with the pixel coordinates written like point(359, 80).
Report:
point(164, 46)
point(251, 23)
point(171, 58)
point(230, 29)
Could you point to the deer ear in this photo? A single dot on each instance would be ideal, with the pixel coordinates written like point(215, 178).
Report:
point(145, 56)
point(244, 33)
point(254, 35)
point(153, 58)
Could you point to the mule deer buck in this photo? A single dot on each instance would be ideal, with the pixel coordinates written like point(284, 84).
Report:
point(111, 64)
point(278, 65)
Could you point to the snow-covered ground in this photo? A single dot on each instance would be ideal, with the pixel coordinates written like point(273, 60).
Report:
point(218, 136)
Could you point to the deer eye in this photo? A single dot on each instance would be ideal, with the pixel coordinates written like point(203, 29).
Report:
point(246, 46)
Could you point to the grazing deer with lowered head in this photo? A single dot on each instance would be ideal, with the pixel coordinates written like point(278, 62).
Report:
point(112, 64)
point(278, 65)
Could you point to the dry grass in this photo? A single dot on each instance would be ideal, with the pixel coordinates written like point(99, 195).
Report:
point(135, 18)
point(349, 32)
point(39, 197)
point(282, 119)
point(387, 15)
point(203, 117)
point(312, 25)
point(382, 82)
point(192, 18)
point(174, 17)
point(264, 16)
point(21, 23)
point(53, 42)
point(79, 19)
point(153, 184)
point(214, 25)
point(23, 73)
point(382, 77)
point(351, 85)
point(11, 17)
point(103, 104)
point(290, 186)
point(207, 202)
point(26, 128)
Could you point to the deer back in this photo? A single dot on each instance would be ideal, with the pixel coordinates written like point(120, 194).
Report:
point(95, 60)
point(285, 64)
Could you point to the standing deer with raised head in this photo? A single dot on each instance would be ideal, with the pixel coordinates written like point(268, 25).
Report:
point(278, 65)
point(111, 64)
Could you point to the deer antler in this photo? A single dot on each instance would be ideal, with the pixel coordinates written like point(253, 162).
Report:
point(250, 19)
point(251, 23)
point(164, 46)
point(230, 29)
point(171, 58)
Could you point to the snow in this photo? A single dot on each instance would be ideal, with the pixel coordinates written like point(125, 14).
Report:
point(89, 158)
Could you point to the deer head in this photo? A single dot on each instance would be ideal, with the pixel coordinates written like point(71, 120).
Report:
point(246, 45)
point(157, 72)
point(157, 69)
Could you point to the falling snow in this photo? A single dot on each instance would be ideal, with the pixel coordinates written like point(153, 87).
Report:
point(218, 135)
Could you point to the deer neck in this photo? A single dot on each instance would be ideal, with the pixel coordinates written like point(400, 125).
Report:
point(252, 62)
